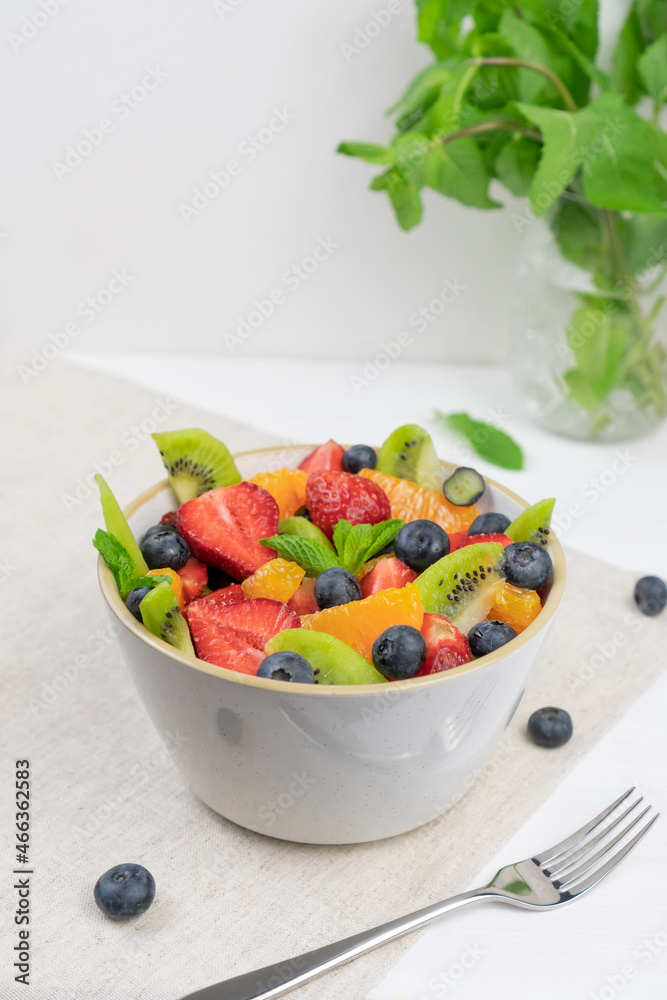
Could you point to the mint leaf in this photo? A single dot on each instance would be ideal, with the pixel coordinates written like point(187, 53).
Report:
point(576, 226)
point(598, 336)
point(645, 242)
point(489, 442)
point(528, 43)
point(516, 163)
point(457, 170)
point(439, 23)
point(313, 556)
point(624, 76)
point(149, 581)
point(117, 558)
point(342, 529)
point(383, 533)
point(420, 93)
point(653, 70)
point(368, 151)
point(404, 197)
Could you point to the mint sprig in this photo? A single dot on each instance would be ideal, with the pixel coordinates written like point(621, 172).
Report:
point(488, 441)
point(355, 544)
point(121, 564)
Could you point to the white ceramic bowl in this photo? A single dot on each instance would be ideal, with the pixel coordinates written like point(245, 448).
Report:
point(326, 764)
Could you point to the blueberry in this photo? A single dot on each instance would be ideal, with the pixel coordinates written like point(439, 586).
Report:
point(527, 565)
point(485, 637)
point(650, 595)
point(358, 457)
point(550, 727)
point(421, 543)
point(303, 512)
point(286, 666)
point(489, 524)
point(157, 529)
point(124, 891)
point(399, 652)
point(134, 599)
point(336, 586)
point(165, 549)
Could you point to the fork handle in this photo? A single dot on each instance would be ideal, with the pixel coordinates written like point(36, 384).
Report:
point(272, 980)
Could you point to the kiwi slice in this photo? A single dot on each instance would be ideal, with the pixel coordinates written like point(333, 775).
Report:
point(195, 462)
point(464, 487)
point(116, 525)
point(161, 616)
point(462, 585)
point(333, 661)
point(304, 528)
point(409, 453)
point(533, 524)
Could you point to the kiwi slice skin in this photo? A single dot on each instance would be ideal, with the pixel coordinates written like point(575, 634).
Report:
point(533, 524)
point(409, 453)
point(333, 661)
point(161, 616)
point(304, 528)
point(461, 585)
point(464, 487)
point(195, 462)
point(117, 525)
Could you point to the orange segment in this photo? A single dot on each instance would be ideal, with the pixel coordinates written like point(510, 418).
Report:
point(412, 502)
point(515, 606)
point(277, 579)
point(176, 584)
point(359, 623)
point(286, 486)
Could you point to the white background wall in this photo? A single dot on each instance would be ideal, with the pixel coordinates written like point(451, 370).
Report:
point(227, 64)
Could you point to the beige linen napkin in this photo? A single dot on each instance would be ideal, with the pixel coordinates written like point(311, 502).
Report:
point(105, 790)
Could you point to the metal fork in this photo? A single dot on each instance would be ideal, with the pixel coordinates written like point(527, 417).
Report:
point(558, 875)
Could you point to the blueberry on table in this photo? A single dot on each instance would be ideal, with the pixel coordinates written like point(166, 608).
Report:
point(486, 637)
point(358, 457)
point(287, 666)
point(336, 586)
point(157, 529)
point(491, 523)
point(527, 565)
point(651, 595)
point(550, 727)
point(399, 652)
point(124, 891)
point(421, 543)
point(134, 599)
point(165, 549)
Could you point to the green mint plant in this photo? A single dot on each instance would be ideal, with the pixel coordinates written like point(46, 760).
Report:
point(515, 95)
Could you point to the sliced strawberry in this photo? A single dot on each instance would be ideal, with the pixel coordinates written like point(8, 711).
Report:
point(234, 635)
point(461, 538)
point(169, 517)
point(225, 595)
point(386, 573)
point(446, 645)
point(326, 456)
point(223, 527)
point(303, 602)
point(195, 577)
point(331, 495)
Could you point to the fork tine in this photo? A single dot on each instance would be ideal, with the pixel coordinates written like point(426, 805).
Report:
point(568, 858)
point(553, 852)
point(576, 873)
point(597, 876)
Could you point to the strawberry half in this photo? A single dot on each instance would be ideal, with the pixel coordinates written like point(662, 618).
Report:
point(446, 645)
point(195, 577)
point(326, 456)
point(391, 572)
point(332, 495)
point(225, 595)
point(234, 635)
point(459, 539)
point(223, 527)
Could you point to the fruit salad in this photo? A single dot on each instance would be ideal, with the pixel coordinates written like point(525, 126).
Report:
point(361, 566)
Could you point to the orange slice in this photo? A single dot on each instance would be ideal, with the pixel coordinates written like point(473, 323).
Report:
point(277, 579)
point(515, 606)
point(359, 623)
point(176, 584)
point(286, 486)
point(412, 502)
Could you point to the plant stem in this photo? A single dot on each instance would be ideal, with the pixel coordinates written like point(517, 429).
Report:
point(492, 126)
point(555, 80)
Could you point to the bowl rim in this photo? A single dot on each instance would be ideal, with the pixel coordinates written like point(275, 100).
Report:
point(126, 619)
